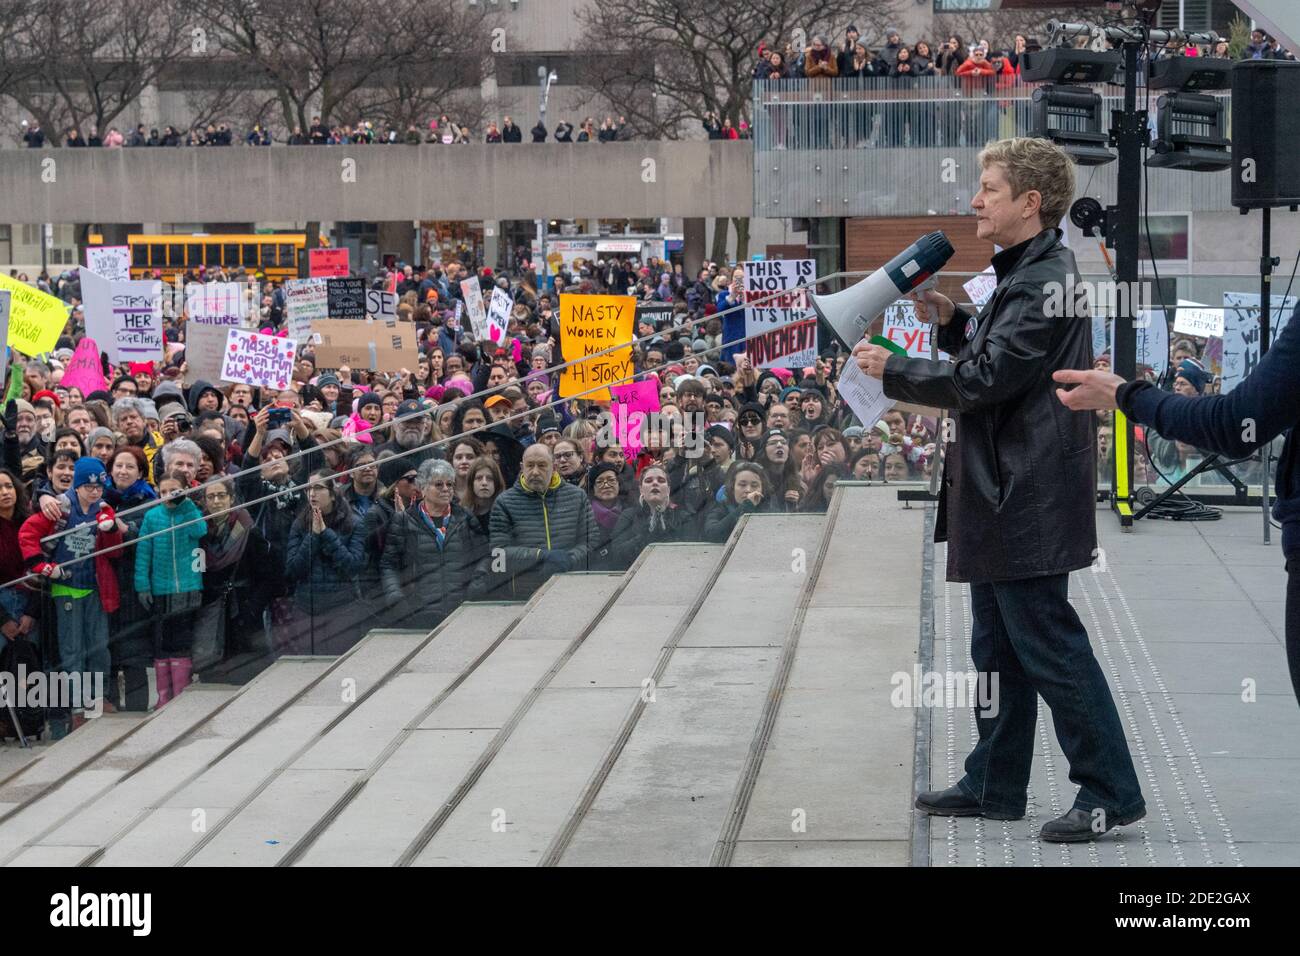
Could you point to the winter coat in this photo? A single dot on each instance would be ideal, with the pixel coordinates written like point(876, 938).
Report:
point(526, 525)
point(1019, 489)
point(166, 564)
point(96, 573)
point(326, 565)
point(634, 532)
point(423, 582)
point(720, 520)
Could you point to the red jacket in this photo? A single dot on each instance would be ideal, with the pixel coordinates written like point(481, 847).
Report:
point(38, 526)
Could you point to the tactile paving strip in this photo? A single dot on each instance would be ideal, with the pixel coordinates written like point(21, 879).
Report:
point(1185, 823)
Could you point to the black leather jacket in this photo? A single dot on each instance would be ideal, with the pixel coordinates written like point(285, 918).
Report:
point(1019, 489)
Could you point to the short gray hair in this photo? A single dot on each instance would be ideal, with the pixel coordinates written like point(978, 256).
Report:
point(124, 405)
point(431, 469)
point(181, 446)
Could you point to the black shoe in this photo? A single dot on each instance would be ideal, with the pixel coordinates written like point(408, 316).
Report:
point(1077, 826)
point(954, 802)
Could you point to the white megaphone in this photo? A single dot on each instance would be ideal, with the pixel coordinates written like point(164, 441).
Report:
point(848, 313)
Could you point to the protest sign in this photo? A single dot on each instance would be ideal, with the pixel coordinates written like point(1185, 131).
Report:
point(1192, 318)
point(1152, 329)
point(382, 305)
point(36, 320)
point(306, 302)
point(776, 296)
point(980, 288)
point(111, 262)
point(327, 263)
point(253, 358)
point(1100, 336)
point(211, 315)
point(453, 321)
point(125, 317)
point(1241, 332)
point(4, 321)
point(84, 370)
point(473, 294)
point(217, 303)
point(902, 327)
point(629, 405)
point(591, 324)
point(366, 345)
point(346, 298)
point(498, 315)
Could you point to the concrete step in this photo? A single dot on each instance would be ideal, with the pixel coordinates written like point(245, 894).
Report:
point(177, 743)
point(453, 733)
point(516, 808)
point(217, 794)
point(661, 794)
point(834, 778)
point(138, 739)
point(34, 796)
point(319, 782)
point(163, 814)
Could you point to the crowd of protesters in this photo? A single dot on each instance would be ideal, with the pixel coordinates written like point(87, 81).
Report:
point(172, 525)
point(443, 130)
point(918, 93)
point(251, 523)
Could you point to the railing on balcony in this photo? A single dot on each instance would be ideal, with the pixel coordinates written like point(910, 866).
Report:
point(882, 147)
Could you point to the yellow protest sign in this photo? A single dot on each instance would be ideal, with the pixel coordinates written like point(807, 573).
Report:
point(36, 320)
point(591, 324)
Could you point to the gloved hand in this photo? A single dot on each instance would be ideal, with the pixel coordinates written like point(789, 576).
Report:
point(48, 569)
point(558, 560)
point(11, 417)
point(106, 520)
point(145, 598)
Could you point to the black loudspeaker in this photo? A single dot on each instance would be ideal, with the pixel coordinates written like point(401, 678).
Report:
point(1265, 133)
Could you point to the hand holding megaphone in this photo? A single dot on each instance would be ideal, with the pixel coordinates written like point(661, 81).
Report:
point(931, 305)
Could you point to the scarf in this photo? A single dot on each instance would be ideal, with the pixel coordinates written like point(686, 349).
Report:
point(224, 544)
point(606, 515)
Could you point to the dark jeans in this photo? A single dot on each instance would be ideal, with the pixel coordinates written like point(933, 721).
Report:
point(1293, 623)
point(1028, 634)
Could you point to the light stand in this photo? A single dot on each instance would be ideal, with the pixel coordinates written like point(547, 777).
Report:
point(1129, 137)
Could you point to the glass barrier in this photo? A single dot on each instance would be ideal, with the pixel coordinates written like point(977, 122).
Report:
point(313, 536)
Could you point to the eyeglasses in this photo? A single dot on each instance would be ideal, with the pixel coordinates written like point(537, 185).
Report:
point(410, 477)
point(218, 496)
point(750, 420)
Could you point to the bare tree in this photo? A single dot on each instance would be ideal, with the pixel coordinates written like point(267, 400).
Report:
point(1000, 27)
point(92, 60)
point(671, 63)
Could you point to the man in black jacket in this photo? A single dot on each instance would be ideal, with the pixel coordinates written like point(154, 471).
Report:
point(1018, 504)
point(1261, 407)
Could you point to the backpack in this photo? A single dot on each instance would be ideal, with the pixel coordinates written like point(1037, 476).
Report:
point(31, 720)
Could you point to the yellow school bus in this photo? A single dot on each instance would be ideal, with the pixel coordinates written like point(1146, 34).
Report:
point(275, 255)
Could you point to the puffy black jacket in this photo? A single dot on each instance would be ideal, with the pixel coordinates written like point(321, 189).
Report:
point(526, 525)
point(1019, 488)
point(423, 583)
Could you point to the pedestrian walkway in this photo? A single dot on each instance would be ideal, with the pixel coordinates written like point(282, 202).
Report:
point(1186, 620)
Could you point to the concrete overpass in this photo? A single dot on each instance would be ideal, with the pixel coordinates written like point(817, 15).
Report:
point(379, 183)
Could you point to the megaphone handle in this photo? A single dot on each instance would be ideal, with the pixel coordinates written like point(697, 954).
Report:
point(930, 314)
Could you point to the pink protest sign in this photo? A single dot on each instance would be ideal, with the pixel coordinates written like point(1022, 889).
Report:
point(84, 370)
point(255, 358)
point(629, 405)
